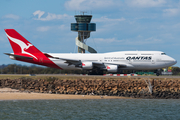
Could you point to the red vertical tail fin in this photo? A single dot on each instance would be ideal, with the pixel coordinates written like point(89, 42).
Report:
point(19, 44)
point(25, 51)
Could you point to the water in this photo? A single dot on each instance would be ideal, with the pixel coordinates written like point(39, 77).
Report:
point(115, 109)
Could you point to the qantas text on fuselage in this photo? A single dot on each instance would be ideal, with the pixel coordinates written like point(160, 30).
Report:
point(111, 62)
point(139, 58)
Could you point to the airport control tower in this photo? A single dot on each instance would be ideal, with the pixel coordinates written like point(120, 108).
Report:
point(83, 27)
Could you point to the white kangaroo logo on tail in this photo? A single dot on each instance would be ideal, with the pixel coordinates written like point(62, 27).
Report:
point(22, 45)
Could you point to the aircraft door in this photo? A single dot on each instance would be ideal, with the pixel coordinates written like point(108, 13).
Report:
point(153, 61)
point(130, 61)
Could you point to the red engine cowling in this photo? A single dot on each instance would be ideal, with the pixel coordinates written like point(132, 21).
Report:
point(87, 65)
point(112, 68)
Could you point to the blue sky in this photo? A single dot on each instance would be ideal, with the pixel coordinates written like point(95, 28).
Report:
point(121, 25)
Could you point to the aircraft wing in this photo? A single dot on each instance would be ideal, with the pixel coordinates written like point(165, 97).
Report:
point(67, 60)
point(18, 56)
point(78, 63)
point(72, 61)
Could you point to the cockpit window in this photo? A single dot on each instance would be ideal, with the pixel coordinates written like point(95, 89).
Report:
point(163, 53)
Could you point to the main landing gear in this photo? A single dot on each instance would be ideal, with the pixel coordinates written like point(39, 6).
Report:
point(158, 72)
point(96, 72)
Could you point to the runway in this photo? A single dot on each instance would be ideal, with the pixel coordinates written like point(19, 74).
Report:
point(88, 76)
point(75, 75)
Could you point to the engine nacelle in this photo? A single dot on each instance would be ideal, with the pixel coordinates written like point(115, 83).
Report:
point(112, 68)
point(87, 65)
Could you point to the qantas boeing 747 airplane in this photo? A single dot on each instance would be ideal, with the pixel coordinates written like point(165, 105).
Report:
point(96, 63)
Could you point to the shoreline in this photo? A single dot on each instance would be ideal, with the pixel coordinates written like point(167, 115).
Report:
point(45, 96)
point(121, 88)
point(13, 94)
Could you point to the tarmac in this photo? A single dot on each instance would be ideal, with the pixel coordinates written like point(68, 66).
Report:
point(75, 75)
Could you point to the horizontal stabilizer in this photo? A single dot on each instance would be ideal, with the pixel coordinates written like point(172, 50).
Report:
point(19, 56)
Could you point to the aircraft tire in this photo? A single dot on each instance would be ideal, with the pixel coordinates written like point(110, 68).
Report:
point(95, 72)
point(157, 74)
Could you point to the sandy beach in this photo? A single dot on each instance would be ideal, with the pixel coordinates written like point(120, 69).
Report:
point(12, 94)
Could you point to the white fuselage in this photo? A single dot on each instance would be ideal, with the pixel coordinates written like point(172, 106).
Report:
point(137, 60)
point(94, 63)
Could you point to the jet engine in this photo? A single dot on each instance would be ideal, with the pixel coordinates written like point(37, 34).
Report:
point(87, 65)
point(112, 68)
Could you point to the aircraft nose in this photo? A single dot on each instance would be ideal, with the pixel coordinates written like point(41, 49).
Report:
point(173, 61)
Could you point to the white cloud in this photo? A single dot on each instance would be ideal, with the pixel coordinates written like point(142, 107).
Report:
point(152, 40)
point(105, 19)
point(108, 40)
point(89, 4)
point(43, 28)
point(146, 41)
point(146, 3)
point(50, 16)
point(63, 27)
point(171, 12)
point(11, 16)
point(39, 13)
point(47, 28)
point(140, 41)
point(175, 26)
